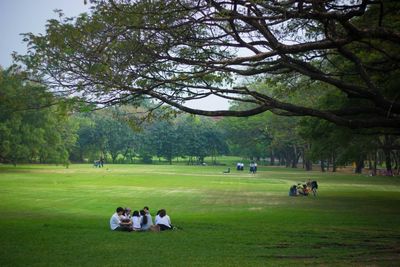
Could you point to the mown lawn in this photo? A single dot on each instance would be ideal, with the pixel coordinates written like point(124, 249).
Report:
point(53, 216)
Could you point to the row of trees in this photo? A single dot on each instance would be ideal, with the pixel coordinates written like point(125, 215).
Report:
point(287, 139)
point(36, 127)
point(106, 133)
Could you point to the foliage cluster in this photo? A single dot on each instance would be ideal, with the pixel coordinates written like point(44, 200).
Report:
point(32, 127)
point(288, 139)
point(105, 132)
point(175, 51)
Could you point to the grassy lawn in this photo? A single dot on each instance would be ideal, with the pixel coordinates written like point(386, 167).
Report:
point(52, 216)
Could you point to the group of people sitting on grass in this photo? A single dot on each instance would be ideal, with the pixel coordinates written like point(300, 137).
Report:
point(123, 220)
point(304, 189)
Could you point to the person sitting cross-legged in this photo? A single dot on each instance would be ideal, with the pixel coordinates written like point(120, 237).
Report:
point(163, 221)
point(116, 224)
point(145, 221)
point(136, 221)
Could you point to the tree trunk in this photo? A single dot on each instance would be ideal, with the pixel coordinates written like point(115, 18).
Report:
point(308, 165)
point(307, 161)
point(388, 161)
point(328, 163)
point(359, 164)
point(333, 162)
point(287, 160)
point(322, 165)
point(294, 158)
point(388, 158)
point(272, 158)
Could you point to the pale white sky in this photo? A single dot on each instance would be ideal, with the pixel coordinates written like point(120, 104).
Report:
point(23, 16)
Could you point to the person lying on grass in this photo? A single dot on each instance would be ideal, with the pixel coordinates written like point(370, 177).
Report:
point(116, 224)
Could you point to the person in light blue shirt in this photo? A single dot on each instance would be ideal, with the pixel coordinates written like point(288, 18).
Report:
point(145, 221)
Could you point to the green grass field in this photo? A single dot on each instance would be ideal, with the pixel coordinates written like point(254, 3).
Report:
point(53, 216)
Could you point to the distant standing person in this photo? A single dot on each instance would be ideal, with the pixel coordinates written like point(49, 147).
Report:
point(116, 224)
point(255, 167)
point(314, 187)
point(101, 161)
point(252, 167)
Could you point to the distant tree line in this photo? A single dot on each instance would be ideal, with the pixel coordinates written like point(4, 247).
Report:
point(36, 127)
point(290, 140)
point(104, 133)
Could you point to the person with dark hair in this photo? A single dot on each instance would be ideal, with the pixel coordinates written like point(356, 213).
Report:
point(145, 221)
point(163, 221)
point(314, 187)
point(252, 168)
point(157, 217)
point(116, 224)
point(146, 209)
point(293, 191)
point(136, 220)
point(126, 216)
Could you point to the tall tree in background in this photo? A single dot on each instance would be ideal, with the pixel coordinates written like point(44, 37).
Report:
point(175, 51)
point(32, 129)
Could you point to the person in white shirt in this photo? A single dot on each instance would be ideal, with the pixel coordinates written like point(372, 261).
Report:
point(252, 167)
point(163, 221)
point(157, 218)
point(136, 221)
point(116, 224)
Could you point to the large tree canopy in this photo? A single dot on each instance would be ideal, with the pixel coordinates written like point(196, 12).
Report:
point(175, 51)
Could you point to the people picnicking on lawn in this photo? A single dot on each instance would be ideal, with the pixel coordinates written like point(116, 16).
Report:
point(140, 221)
point(304, 189)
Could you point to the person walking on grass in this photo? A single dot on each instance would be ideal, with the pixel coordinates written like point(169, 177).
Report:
point(116, 224)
